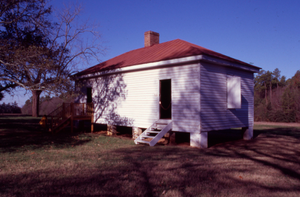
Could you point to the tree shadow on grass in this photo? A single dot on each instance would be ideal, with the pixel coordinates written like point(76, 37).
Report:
point(282, 131)
point(170, 171)
point(21, 134)
point(266, 166)
point(231, 135)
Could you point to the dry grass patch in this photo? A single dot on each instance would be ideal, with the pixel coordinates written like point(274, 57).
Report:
point(36, 163)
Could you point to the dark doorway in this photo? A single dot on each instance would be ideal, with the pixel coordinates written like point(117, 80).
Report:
point(89, 98)
point(165, 99)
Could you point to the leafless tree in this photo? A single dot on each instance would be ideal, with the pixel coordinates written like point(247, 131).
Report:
point(43, 57)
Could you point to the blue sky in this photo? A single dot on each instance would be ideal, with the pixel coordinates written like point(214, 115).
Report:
point(263, 32)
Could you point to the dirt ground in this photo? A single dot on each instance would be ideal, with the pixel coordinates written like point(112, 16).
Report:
point(35, 163)
point(285, 124)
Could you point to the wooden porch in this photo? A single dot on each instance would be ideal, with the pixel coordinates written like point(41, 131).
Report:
point(65, 115)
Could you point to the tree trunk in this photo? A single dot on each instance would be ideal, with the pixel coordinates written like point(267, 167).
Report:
point(266, 97)
point(35, 102)
point(271, 93)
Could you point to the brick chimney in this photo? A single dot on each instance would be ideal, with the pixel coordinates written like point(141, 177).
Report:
point(151, 38)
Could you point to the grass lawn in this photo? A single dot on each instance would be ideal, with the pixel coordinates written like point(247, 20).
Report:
point(36, 163)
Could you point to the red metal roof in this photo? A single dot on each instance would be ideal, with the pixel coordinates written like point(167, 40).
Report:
point(158, 52)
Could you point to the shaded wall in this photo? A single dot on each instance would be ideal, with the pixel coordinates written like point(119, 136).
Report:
point(214, 113)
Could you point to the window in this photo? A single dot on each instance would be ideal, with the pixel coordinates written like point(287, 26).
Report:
point(234, 97)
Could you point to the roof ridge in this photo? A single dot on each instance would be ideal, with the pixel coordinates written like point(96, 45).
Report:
point(132, 51)
point(163, 51)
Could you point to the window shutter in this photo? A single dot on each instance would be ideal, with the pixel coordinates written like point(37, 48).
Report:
point(234, 97)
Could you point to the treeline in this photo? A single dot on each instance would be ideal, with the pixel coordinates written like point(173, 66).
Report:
point(10, 108)
point(275, 98)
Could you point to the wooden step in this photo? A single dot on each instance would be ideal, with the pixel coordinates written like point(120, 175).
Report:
point(152, 131)
point(147, 136)
point(143, 141)
point(160, 126)
point(155, 128)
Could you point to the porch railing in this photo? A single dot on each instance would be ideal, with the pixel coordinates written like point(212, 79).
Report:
point(68, 112)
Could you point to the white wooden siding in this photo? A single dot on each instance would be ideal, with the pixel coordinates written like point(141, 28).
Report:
point(140, 106)
point(142, 98)
point(214, 113)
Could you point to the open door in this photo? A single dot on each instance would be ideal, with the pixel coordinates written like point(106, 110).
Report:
point(89, 97)
point(165, 99)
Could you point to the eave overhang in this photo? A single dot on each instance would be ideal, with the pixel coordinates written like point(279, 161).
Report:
point(171, 62)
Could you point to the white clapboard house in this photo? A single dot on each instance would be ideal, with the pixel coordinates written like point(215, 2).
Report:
point(172, 86)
